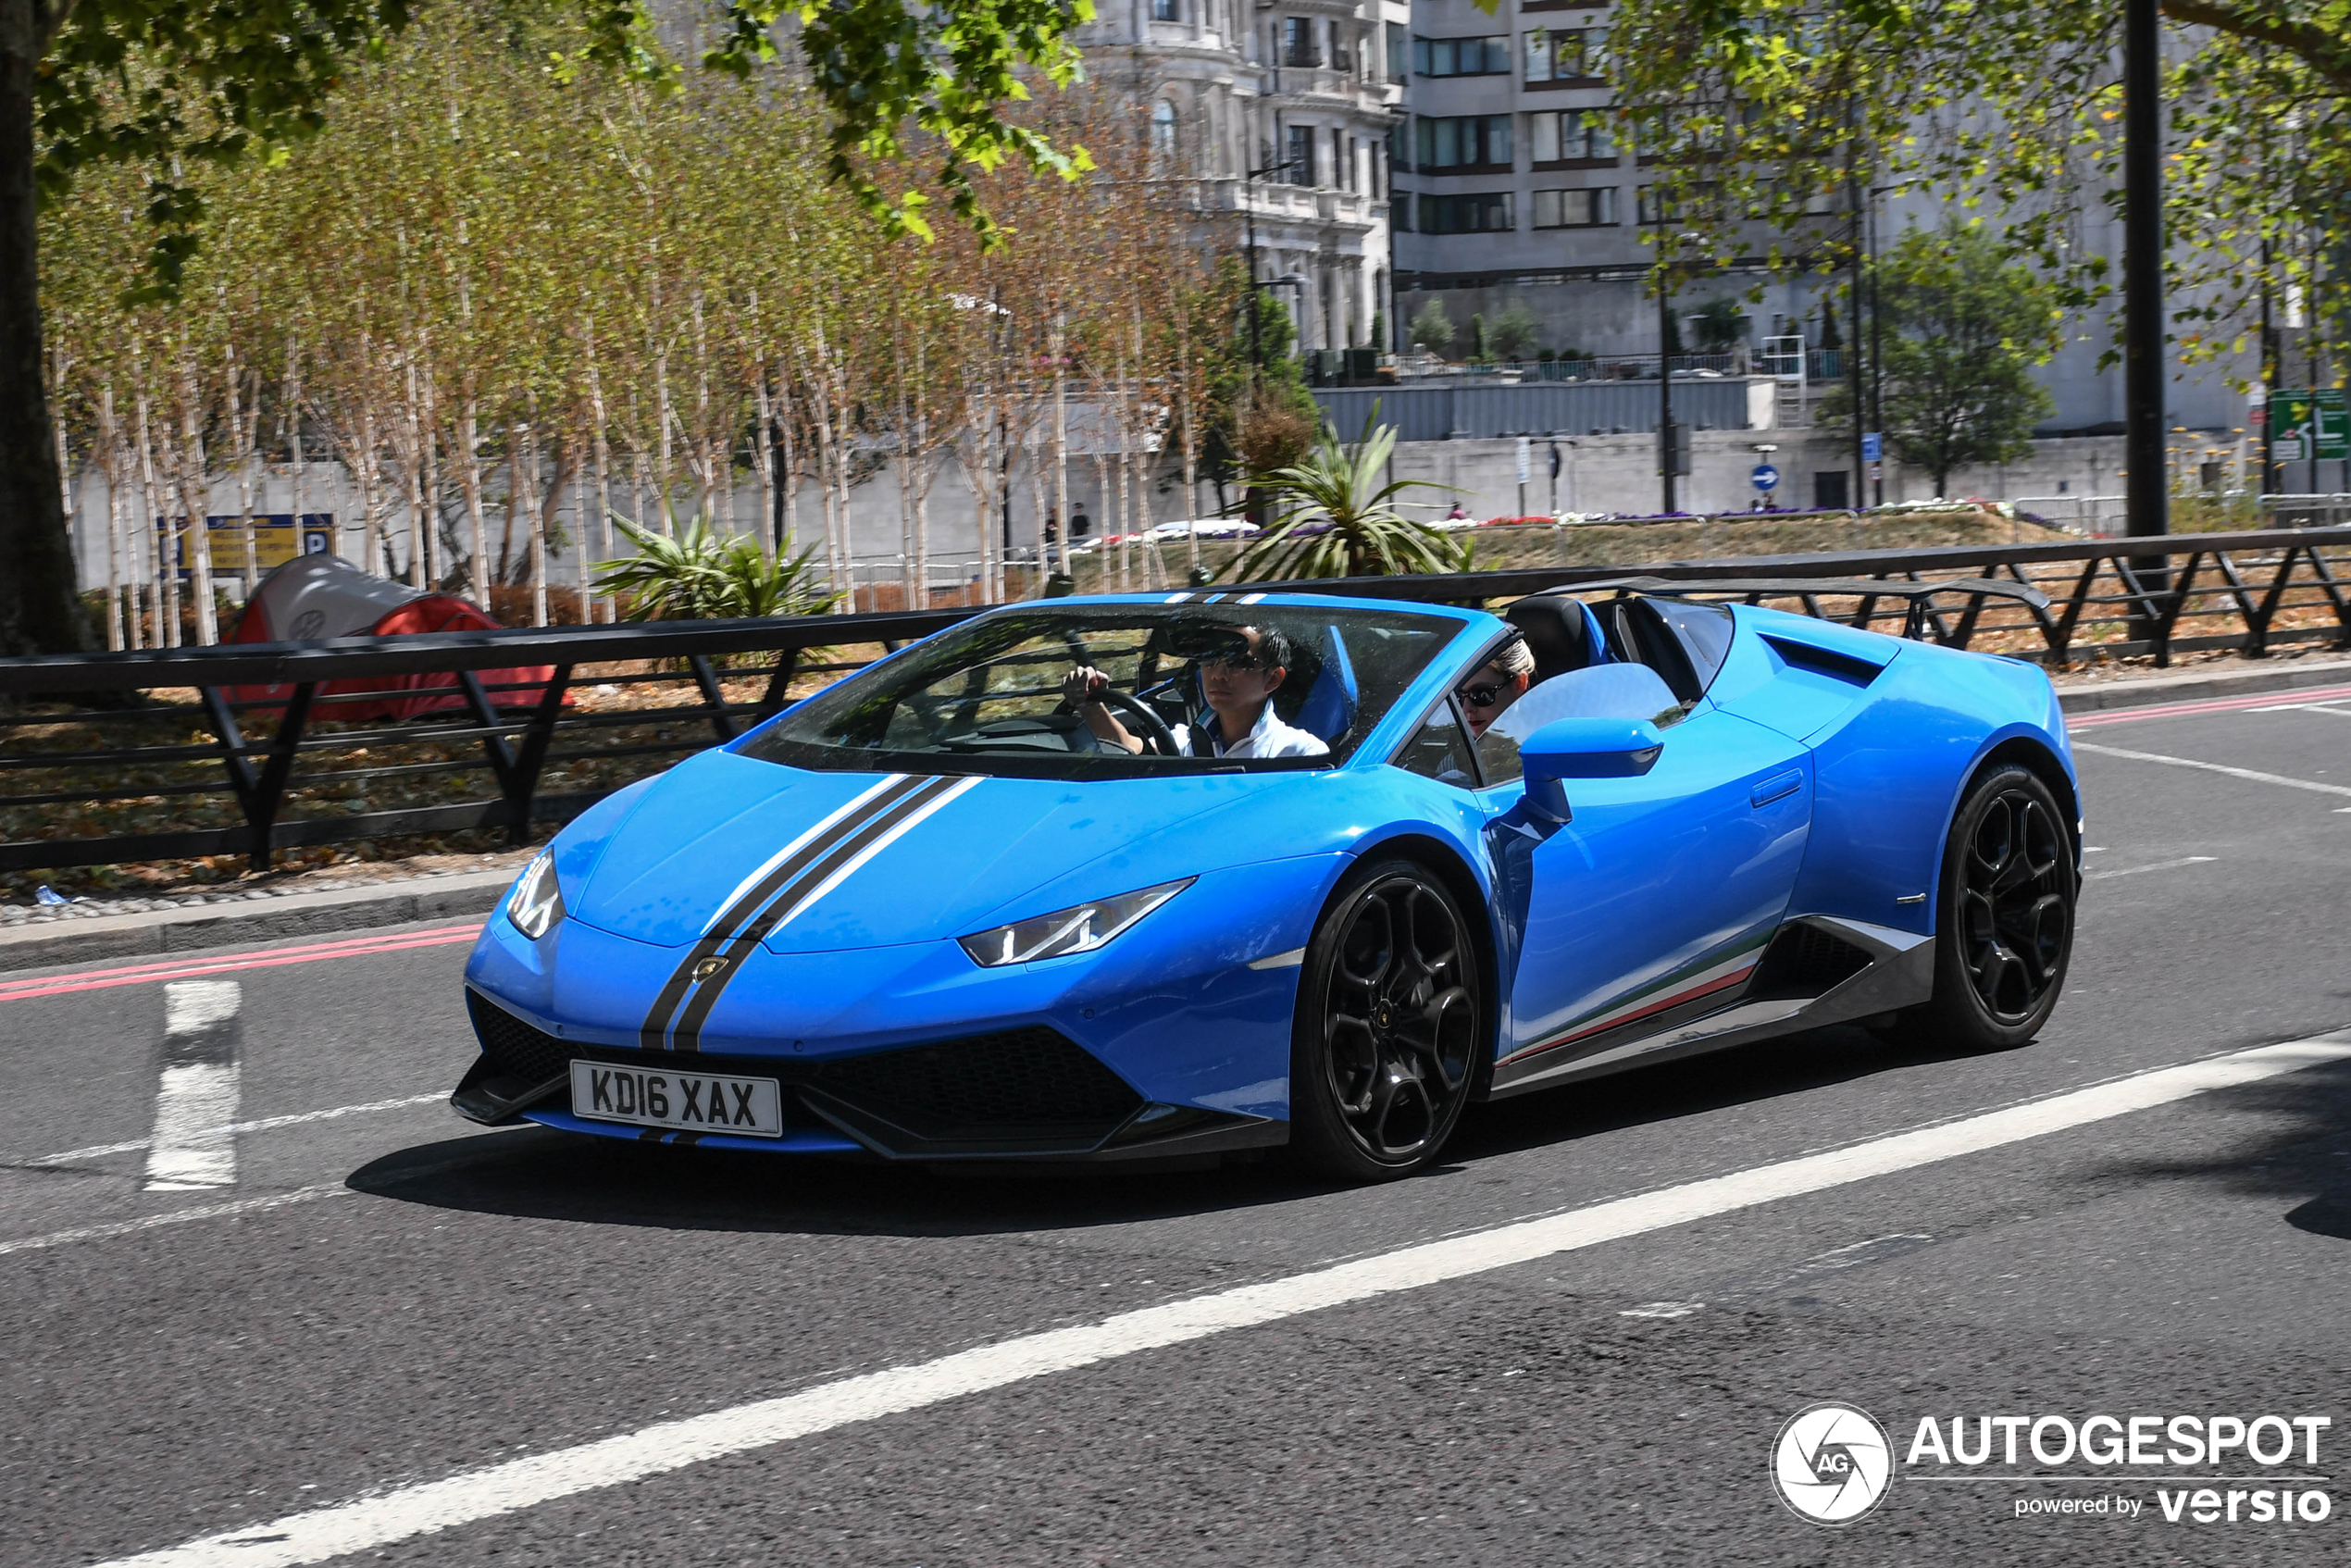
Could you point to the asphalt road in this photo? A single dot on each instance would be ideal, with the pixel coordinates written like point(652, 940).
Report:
point(364, 1294)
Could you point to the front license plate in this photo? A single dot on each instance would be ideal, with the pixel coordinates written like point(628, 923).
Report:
point(687, 1102)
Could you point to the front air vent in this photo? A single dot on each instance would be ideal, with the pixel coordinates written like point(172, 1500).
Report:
point(1015, 1086)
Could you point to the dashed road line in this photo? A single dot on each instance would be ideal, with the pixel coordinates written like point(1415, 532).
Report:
point(237, 1130)
point(2159, 865)
point(112, 1229)
point(369, 1524)
point(196, 1096)
point(2245, 773)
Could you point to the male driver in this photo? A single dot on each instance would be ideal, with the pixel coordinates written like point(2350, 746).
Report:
point(1489, 691)
point(1239, 681)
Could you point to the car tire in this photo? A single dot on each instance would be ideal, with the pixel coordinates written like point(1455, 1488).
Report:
point(1389, 1028)
point(2004, 918)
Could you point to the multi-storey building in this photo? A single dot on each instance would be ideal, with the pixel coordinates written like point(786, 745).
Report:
point(1282, 111)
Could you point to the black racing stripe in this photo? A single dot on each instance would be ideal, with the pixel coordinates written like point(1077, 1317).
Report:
point(843, 850)
point(651, 1036)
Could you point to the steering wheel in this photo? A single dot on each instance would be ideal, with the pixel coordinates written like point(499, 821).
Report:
point(1156, 735)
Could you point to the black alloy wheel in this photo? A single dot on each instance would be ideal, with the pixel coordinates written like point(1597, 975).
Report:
point(1389, 1028)
point(2006, 926)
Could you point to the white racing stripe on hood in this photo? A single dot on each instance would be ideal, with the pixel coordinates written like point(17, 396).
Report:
point(819, 832)
point(900, 832)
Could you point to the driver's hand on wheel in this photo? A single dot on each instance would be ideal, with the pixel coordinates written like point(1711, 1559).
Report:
point(1084, 688)
point(1084, 685)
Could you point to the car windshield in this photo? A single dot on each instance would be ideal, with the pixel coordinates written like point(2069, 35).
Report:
point(991, 695)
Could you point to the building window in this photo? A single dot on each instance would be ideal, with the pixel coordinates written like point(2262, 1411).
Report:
point(1462, 56)
point(1553, 135)
point(1575, 209)
point(1167, 11)
point(1400, 62)
point(1298, 41)
point(1163, 134)
point(1483, 213)
point(1400, 146)
point(1571, 53)
point(1399, 210)
point(1300, 156)
point(1461, 141)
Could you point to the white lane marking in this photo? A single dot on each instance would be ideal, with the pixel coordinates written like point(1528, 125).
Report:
point(2302, 708)
point(1664, 1309)
point(372, 1523)
point(2159, 865)
point(2255, 777)
point(233, 1129)
point(196, 1097)
point(175, 1216)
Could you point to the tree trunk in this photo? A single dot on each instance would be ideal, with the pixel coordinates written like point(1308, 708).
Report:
point(39, 610)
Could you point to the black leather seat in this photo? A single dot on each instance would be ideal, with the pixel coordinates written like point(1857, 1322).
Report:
point(1555, 631)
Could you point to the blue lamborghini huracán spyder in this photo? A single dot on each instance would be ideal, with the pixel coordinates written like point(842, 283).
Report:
point(1142, 876)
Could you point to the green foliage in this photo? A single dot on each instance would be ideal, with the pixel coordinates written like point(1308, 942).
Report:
point(1378, 334)
point(1477, 337)
point(1720, 324)
point(1430, 327)
point(1515, 327)
point(1255, 405)
point(1335, 515)
point(1765, 116)
point(702, 576)
point(1962, 331)
point(176, 88)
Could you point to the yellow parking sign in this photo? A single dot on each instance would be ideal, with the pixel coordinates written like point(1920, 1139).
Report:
point(277, 536)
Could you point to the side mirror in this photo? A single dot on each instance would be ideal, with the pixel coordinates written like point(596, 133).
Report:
point(1584, 748)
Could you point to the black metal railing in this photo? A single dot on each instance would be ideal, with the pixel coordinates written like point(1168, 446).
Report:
point(238, 750)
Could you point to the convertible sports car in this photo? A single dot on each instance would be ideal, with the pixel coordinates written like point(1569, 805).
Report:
point(932, 913)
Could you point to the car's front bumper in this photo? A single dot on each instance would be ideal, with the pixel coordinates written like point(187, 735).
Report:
point(1176, 1045)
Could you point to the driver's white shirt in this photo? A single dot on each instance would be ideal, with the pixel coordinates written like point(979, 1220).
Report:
point(1270, 738)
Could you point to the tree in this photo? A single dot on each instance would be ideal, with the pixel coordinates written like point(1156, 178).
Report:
point(1516, 327)
point(1335, 515)
point(1765, 119)
point(186, 88)
point(1721, 323)
point(1431, 329)
point(1962, 332)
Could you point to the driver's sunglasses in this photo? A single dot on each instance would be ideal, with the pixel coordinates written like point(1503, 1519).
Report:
point(1234, 661)
point(1481, 696)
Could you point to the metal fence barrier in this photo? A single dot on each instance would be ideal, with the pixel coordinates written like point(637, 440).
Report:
point(150, 756)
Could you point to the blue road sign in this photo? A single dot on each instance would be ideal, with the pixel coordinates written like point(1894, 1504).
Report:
point(1872, 447)
point(1765, 476)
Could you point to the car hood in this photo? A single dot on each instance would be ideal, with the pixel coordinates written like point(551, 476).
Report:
point(936, 859)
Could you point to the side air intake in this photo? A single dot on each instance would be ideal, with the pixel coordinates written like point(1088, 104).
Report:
point(1805, 961)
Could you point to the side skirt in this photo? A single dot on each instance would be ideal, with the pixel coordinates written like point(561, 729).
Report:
point(1899, 972)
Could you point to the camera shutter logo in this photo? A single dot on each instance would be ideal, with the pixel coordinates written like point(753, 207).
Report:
point(1832, 1463)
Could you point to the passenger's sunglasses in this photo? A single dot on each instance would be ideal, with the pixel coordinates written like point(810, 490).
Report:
point(1480, 696)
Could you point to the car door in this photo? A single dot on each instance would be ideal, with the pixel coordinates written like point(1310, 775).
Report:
point(1653, 904)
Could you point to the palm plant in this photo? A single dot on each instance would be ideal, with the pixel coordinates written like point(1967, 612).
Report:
point(1334, 516)
point(700, 576)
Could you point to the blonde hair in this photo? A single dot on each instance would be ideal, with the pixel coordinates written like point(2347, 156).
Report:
point(1513, 657)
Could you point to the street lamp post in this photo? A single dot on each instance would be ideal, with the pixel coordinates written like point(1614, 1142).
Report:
point(2149, 487)
point(1249, 220)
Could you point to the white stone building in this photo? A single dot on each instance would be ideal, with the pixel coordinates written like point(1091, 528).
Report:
point(1301, 94)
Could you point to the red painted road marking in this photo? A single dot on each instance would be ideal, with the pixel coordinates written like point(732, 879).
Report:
point(230, 962)
point(2215, 705)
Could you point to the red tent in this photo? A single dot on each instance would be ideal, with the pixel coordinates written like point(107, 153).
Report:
point(313, 597)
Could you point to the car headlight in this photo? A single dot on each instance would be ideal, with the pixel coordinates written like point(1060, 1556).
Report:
point(536, 903)
point(1079, 929)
